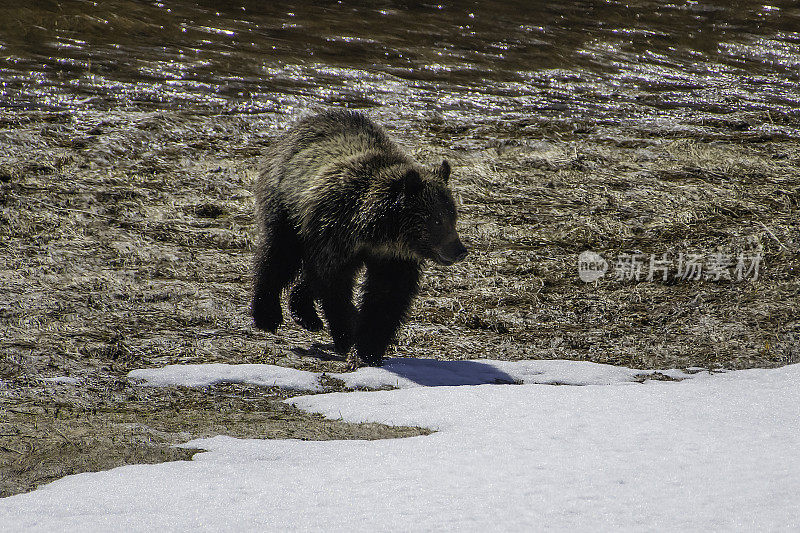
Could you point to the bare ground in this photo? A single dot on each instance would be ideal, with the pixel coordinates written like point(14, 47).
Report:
point(126, 241)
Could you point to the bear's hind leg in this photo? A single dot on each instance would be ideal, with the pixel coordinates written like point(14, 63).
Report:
point(277, 262)
point(301, 305)
point(389, 288)
point(336, 293)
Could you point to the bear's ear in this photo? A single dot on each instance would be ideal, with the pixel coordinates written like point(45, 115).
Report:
point(406, 186)
point(412, 182)
point(443, 171)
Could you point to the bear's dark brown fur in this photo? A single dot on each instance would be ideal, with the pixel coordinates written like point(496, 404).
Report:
point(337, 194)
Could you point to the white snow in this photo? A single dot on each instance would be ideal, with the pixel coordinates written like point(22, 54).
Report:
point(716, 452)
point(63, 380)
point(210, 374)
point(402, 373)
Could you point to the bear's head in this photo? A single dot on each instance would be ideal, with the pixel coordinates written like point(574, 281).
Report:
point(427, 225)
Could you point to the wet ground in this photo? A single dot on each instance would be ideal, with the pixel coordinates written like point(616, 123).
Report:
point(130, 135)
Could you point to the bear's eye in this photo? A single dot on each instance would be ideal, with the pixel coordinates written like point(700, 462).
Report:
point(437, 221)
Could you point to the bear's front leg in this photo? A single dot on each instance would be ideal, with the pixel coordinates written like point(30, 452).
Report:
point(301, 304)
point(276, 264)
point(389, 289)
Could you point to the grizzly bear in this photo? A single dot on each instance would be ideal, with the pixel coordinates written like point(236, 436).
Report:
point(336, 195)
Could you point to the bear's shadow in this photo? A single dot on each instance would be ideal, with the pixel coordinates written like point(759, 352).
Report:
point(425, 372)
point(318, 350)
point(435, 373)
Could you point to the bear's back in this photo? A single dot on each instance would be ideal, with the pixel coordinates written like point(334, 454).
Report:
point(336, 135)
point(297, 162)
point(337, 125)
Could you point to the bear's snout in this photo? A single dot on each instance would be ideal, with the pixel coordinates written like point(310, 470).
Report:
point(452, 252)
point(461, 251)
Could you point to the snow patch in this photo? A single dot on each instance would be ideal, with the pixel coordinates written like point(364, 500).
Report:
point(714, 453)
point(404, 373)
point(65, 380)
point(209, 374)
